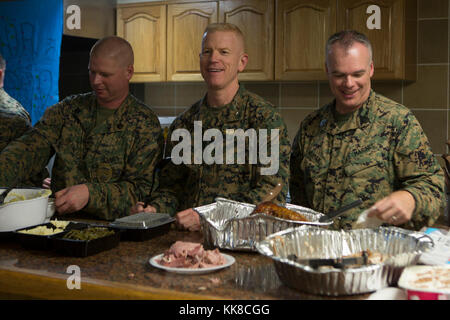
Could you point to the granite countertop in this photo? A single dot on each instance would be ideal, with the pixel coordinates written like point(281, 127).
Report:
point(252, 276)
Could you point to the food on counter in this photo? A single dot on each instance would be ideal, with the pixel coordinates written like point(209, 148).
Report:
point(362, 258)
point(59, 226)
point(428, 278)
point(14, 196)
point(43, 231)
point(372, 257)
point(89, 233)
point(274, 210)
point(191, 255)
point(59, 223)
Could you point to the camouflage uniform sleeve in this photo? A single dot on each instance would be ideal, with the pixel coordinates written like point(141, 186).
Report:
point(266, 182)
point(11, 128)
point(18, 126)
point(419, 173)
point(111, 200)
point(170, 182)
point(296, 181)
point(24, 157)
point(170, 185)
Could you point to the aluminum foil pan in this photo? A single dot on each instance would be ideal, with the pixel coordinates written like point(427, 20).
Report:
point(400, 247)
point(227, 224)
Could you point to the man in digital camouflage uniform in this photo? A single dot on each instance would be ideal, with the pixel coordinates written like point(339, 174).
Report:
point(14, 122)
point(363, 145)
point(226, 105)
point(106, 142)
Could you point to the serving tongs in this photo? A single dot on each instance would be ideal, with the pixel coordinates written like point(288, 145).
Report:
point(4, 194)
point(339, 263)
point(339, 212)
point(8, 190)
point(273, 193)
point(270, 196)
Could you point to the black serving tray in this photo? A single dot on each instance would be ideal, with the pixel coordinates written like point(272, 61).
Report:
point(142, 226)
point(84, 248)
point(7, 236)
point(40, 242)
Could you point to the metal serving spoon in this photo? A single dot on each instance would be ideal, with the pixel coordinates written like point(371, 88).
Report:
point(4, 194)
point(273, 193)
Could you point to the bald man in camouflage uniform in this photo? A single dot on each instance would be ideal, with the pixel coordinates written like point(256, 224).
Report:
point(227, 105)
point(14, 122)
point(363, 145)
point(107, 143)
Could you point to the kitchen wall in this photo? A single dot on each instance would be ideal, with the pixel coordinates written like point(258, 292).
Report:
point(73, 67)
point(428, 97)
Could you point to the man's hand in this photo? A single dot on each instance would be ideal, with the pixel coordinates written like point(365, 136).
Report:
point(139, 207)
point(188, 219)
point(71, 199)
point(396, 209)
point(46, 184)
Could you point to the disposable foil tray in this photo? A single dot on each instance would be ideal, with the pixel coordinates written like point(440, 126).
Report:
point(399, 247)
point(227, 224)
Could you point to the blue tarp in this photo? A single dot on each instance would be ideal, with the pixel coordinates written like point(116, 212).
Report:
point(30, 42)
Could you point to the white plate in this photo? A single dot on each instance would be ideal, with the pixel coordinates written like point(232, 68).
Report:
point(229, 260)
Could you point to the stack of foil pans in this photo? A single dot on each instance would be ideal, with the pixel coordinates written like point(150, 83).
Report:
point(227, 224)
point(400, 247)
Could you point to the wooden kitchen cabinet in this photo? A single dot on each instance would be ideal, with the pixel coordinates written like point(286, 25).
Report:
point(255, 18)
point(394, 44)
point(303, 27)
point(180, 30)
point(285, 39)
point(301, 31)
point(185, 25)
point(145, 28)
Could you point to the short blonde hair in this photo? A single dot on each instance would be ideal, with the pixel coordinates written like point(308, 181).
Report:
point(223, 26)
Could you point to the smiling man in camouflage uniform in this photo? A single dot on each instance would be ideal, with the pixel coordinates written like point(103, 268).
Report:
point(14, 122)
point(363, 145)
point(107, 143)
point(226, 105)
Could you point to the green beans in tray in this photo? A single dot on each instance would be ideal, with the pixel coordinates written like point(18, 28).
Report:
point(86, 240)
point(89, 233)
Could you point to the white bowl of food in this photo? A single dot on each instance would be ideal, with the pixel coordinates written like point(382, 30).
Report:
point(23, 207)
point(50, 208)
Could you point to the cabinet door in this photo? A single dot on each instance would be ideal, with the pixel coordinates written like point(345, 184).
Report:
point(388, 42)
point(302, 29)
point(145, 28)
point(255, 18)
point(186, 24)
